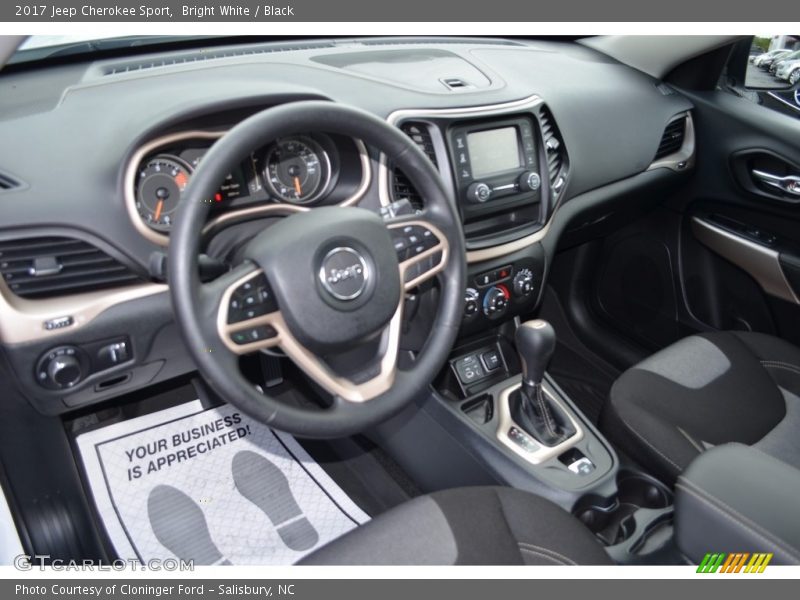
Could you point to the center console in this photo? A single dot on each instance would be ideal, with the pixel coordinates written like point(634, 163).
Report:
point(505, 420)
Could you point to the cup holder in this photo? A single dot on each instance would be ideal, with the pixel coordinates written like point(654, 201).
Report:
point(614, 522)
point(642, 491)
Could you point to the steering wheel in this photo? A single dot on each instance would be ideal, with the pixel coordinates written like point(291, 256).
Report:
point(324, 285)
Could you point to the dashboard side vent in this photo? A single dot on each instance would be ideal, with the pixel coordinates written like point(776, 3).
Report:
point(401, 186)
point(7, 183)
point(672, 140)
point(45, 267)
point(554, 148)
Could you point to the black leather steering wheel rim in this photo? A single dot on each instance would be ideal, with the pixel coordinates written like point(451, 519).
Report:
point(193, 314)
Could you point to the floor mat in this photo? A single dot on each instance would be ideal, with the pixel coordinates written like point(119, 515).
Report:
point(212, 486)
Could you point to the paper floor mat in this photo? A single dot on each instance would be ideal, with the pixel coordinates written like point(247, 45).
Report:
point(212, 486)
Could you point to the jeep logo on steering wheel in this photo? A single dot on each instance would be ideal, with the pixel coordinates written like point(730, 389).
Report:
point(344, 273)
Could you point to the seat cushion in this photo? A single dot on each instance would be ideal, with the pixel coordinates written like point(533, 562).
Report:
point(468, 526)
point(707, 390)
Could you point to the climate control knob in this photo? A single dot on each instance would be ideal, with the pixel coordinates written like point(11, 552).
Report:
point(479, 192)
point(471, 298)
point(523, 283)
point(495, 302)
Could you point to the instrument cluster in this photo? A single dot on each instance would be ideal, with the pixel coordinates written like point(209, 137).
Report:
point(302, 170)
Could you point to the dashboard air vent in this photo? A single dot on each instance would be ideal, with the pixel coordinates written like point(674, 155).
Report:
point(44, 267)
point(401, 186)
point(7, 183)
point(554, 148)
point(672, 140)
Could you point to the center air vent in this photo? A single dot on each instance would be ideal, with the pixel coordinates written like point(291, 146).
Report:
point(401, 186)
point(554, 148)
point(44, 267)
point(672, 140)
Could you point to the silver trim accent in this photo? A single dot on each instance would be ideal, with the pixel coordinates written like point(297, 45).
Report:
point(786, 102)
point(543, 453)
point(788, 184)
point(23, 320)
point(229, 217)
point(761, 262)
point(686, 153)
point(328, 285)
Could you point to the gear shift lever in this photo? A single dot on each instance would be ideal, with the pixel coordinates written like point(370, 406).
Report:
point(536, 342)
point(531, 408)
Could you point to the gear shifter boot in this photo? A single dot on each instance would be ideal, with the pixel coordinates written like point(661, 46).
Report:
point(534, 412)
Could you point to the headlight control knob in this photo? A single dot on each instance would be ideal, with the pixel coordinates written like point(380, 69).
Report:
point(61, 368)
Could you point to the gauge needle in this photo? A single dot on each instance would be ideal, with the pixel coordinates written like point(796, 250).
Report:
point(159, 208)
point(297, 187)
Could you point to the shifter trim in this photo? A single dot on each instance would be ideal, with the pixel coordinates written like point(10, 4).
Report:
point(543, 453)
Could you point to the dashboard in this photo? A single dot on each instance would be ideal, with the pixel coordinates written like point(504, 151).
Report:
point(534, 140)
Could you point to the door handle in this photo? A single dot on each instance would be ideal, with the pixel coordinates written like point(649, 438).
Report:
point(788, 184)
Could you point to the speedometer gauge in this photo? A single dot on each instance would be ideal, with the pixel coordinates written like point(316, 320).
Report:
point(297, 170)
point(158, 191)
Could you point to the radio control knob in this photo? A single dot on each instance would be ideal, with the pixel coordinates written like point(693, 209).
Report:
point(529, 181)
point(479, 192)
point(523, 283)
point(495, 301)
point(471, 297)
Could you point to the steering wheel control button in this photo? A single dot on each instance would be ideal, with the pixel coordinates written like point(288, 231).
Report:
point(491, 360)
point(469, 369)
point(344, 273)
point(253, 334)
point(412, 240)
point(251, 299)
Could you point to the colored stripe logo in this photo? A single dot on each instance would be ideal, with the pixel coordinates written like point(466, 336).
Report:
point(737, 562)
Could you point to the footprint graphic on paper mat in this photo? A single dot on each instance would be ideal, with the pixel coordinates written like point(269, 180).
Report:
point(180, 525)
point(265, 485)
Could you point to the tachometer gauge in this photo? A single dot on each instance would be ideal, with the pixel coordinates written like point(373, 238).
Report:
point(297, 170)
point(158, 191)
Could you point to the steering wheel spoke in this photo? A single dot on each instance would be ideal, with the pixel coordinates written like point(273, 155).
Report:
point(422, 249)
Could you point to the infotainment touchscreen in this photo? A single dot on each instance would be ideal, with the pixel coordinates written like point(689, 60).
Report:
point(493, 151)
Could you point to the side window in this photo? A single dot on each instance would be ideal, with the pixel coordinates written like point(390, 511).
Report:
point(769, 72)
